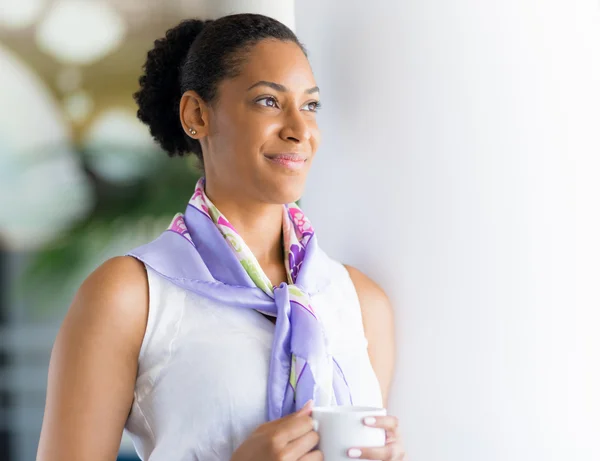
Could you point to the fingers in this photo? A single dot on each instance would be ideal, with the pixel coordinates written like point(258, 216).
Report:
point(290, 419)
point(293, 428)
point(302, 445)
point(307, 408)
point(393, 449)
point(300, 435)
point(389, 452)
point(315, 455)
point(295, 425)
point(389, 423)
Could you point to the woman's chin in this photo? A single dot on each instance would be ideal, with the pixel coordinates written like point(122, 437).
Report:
point(288, 192)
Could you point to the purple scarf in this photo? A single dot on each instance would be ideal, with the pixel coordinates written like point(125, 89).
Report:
point(194, 255)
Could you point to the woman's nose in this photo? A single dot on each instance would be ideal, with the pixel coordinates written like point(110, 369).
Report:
point(296, 128)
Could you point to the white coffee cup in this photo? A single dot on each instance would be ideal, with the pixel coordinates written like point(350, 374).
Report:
point(341, 428)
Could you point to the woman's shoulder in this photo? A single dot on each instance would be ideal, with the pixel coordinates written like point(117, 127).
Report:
point(114, 295)
point(369, 292)
point(119, 281)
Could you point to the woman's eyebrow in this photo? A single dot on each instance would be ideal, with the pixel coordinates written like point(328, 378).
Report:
point(281, 88)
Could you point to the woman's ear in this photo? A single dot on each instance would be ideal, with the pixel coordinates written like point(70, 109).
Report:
point(193, 113)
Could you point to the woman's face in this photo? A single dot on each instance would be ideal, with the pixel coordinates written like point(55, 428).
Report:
point(262, 133)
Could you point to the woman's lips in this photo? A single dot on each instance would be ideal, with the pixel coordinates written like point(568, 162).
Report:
point(291, 161)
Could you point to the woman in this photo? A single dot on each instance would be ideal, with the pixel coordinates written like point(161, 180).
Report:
point(212, 341)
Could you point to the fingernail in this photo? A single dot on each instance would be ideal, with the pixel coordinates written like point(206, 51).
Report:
point(369, 420)
point(354, 453)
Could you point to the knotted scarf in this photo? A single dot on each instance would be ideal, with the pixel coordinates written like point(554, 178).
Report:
point(201, 251)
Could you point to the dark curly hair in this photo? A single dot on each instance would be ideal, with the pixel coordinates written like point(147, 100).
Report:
point(197, 55)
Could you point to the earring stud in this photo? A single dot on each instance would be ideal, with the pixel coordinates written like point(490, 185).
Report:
point(192, 131)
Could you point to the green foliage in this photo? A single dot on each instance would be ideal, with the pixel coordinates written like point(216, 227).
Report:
point(123, 216)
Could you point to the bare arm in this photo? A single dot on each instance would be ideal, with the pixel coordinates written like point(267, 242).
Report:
point(93, 366)
point(378, 322)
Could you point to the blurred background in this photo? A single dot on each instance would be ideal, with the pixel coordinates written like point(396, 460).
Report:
point(461, 146)
point(81, 180)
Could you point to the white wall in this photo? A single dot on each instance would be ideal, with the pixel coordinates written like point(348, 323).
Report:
point(458, 135)
point(282, 10)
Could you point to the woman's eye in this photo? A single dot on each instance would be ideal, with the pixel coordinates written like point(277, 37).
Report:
point(313, 106)
point(268, 102)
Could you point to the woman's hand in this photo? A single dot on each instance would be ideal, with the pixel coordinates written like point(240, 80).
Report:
point(394, 448)
point(290, 438)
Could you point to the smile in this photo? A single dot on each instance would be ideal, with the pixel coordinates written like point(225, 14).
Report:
point(291, 161)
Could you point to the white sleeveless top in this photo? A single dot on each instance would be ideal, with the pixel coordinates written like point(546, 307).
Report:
point(201, 387)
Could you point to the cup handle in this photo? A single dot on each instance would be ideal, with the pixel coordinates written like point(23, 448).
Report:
point(315, 424)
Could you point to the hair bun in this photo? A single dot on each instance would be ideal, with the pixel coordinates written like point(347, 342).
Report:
point(159, 93)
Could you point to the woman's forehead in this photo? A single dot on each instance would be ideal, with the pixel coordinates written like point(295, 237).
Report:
point(279, 62)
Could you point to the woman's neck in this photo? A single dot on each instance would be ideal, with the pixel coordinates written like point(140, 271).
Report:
point(259, 224)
